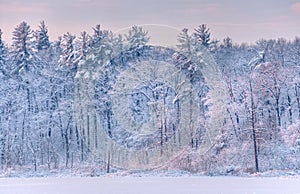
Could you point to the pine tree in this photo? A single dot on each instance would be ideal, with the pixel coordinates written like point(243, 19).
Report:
point(68, 56)
point(203, 35)
point(3, 55)
point(227, 43)
point(25, 68)
point(83, 45)
point(22, 53)
point(57, 49)
point(3, 102)
point(67, 71)
point(98, 35)
point(188, 47)
point(184, 40)
point(42, 38)
point(136, 38)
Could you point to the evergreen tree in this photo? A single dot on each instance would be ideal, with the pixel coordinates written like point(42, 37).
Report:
point(23, 90)
point(3, 55)
point(136, 38)
point(64, 113)
point(42, 38)
point(109, 47)
point(203, 35)
point(3, 102)
point(83, 45)
point(184, 40)
point(188, 47)
point(22, 53)
point(98, 35)
point(227, 43)
point(68, 56)
point(57, 49)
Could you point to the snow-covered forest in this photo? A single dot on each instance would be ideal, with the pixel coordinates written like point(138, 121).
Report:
point(40, 127)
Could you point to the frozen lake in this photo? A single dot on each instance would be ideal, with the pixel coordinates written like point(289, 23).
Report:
point(150, 185)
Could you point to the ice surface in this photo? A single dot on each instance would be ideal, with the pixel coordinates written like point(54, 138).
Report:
point(150, 185)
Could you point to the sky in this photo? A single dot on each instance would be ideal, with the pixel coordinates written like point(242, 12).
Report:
point(242, 20)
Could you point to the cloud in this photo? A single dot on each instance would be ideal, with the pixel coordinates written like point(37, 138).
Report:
point(295, 7)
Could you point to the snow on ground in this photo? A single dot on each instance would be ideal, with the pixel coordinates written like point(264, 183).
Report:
point(150, 185)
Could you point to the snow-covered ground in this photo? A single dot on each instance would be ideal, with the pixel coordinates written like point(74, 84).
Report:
point(150, 185)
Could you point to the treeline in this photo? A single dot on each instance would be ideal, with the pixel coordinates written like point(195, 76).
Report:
point(38, 126)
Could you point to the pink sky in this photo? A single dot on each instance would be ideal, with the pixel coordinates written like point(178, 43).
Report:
point(243, 21)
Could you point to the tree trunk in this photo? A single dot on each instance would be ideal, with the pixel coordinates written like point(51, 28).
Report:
point(253, 129)
point(108, 163)
point(290, 109)
point(298, 99)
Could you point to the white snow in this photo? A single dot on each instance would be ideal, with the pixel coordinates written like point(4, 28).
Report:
point(150, 185)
